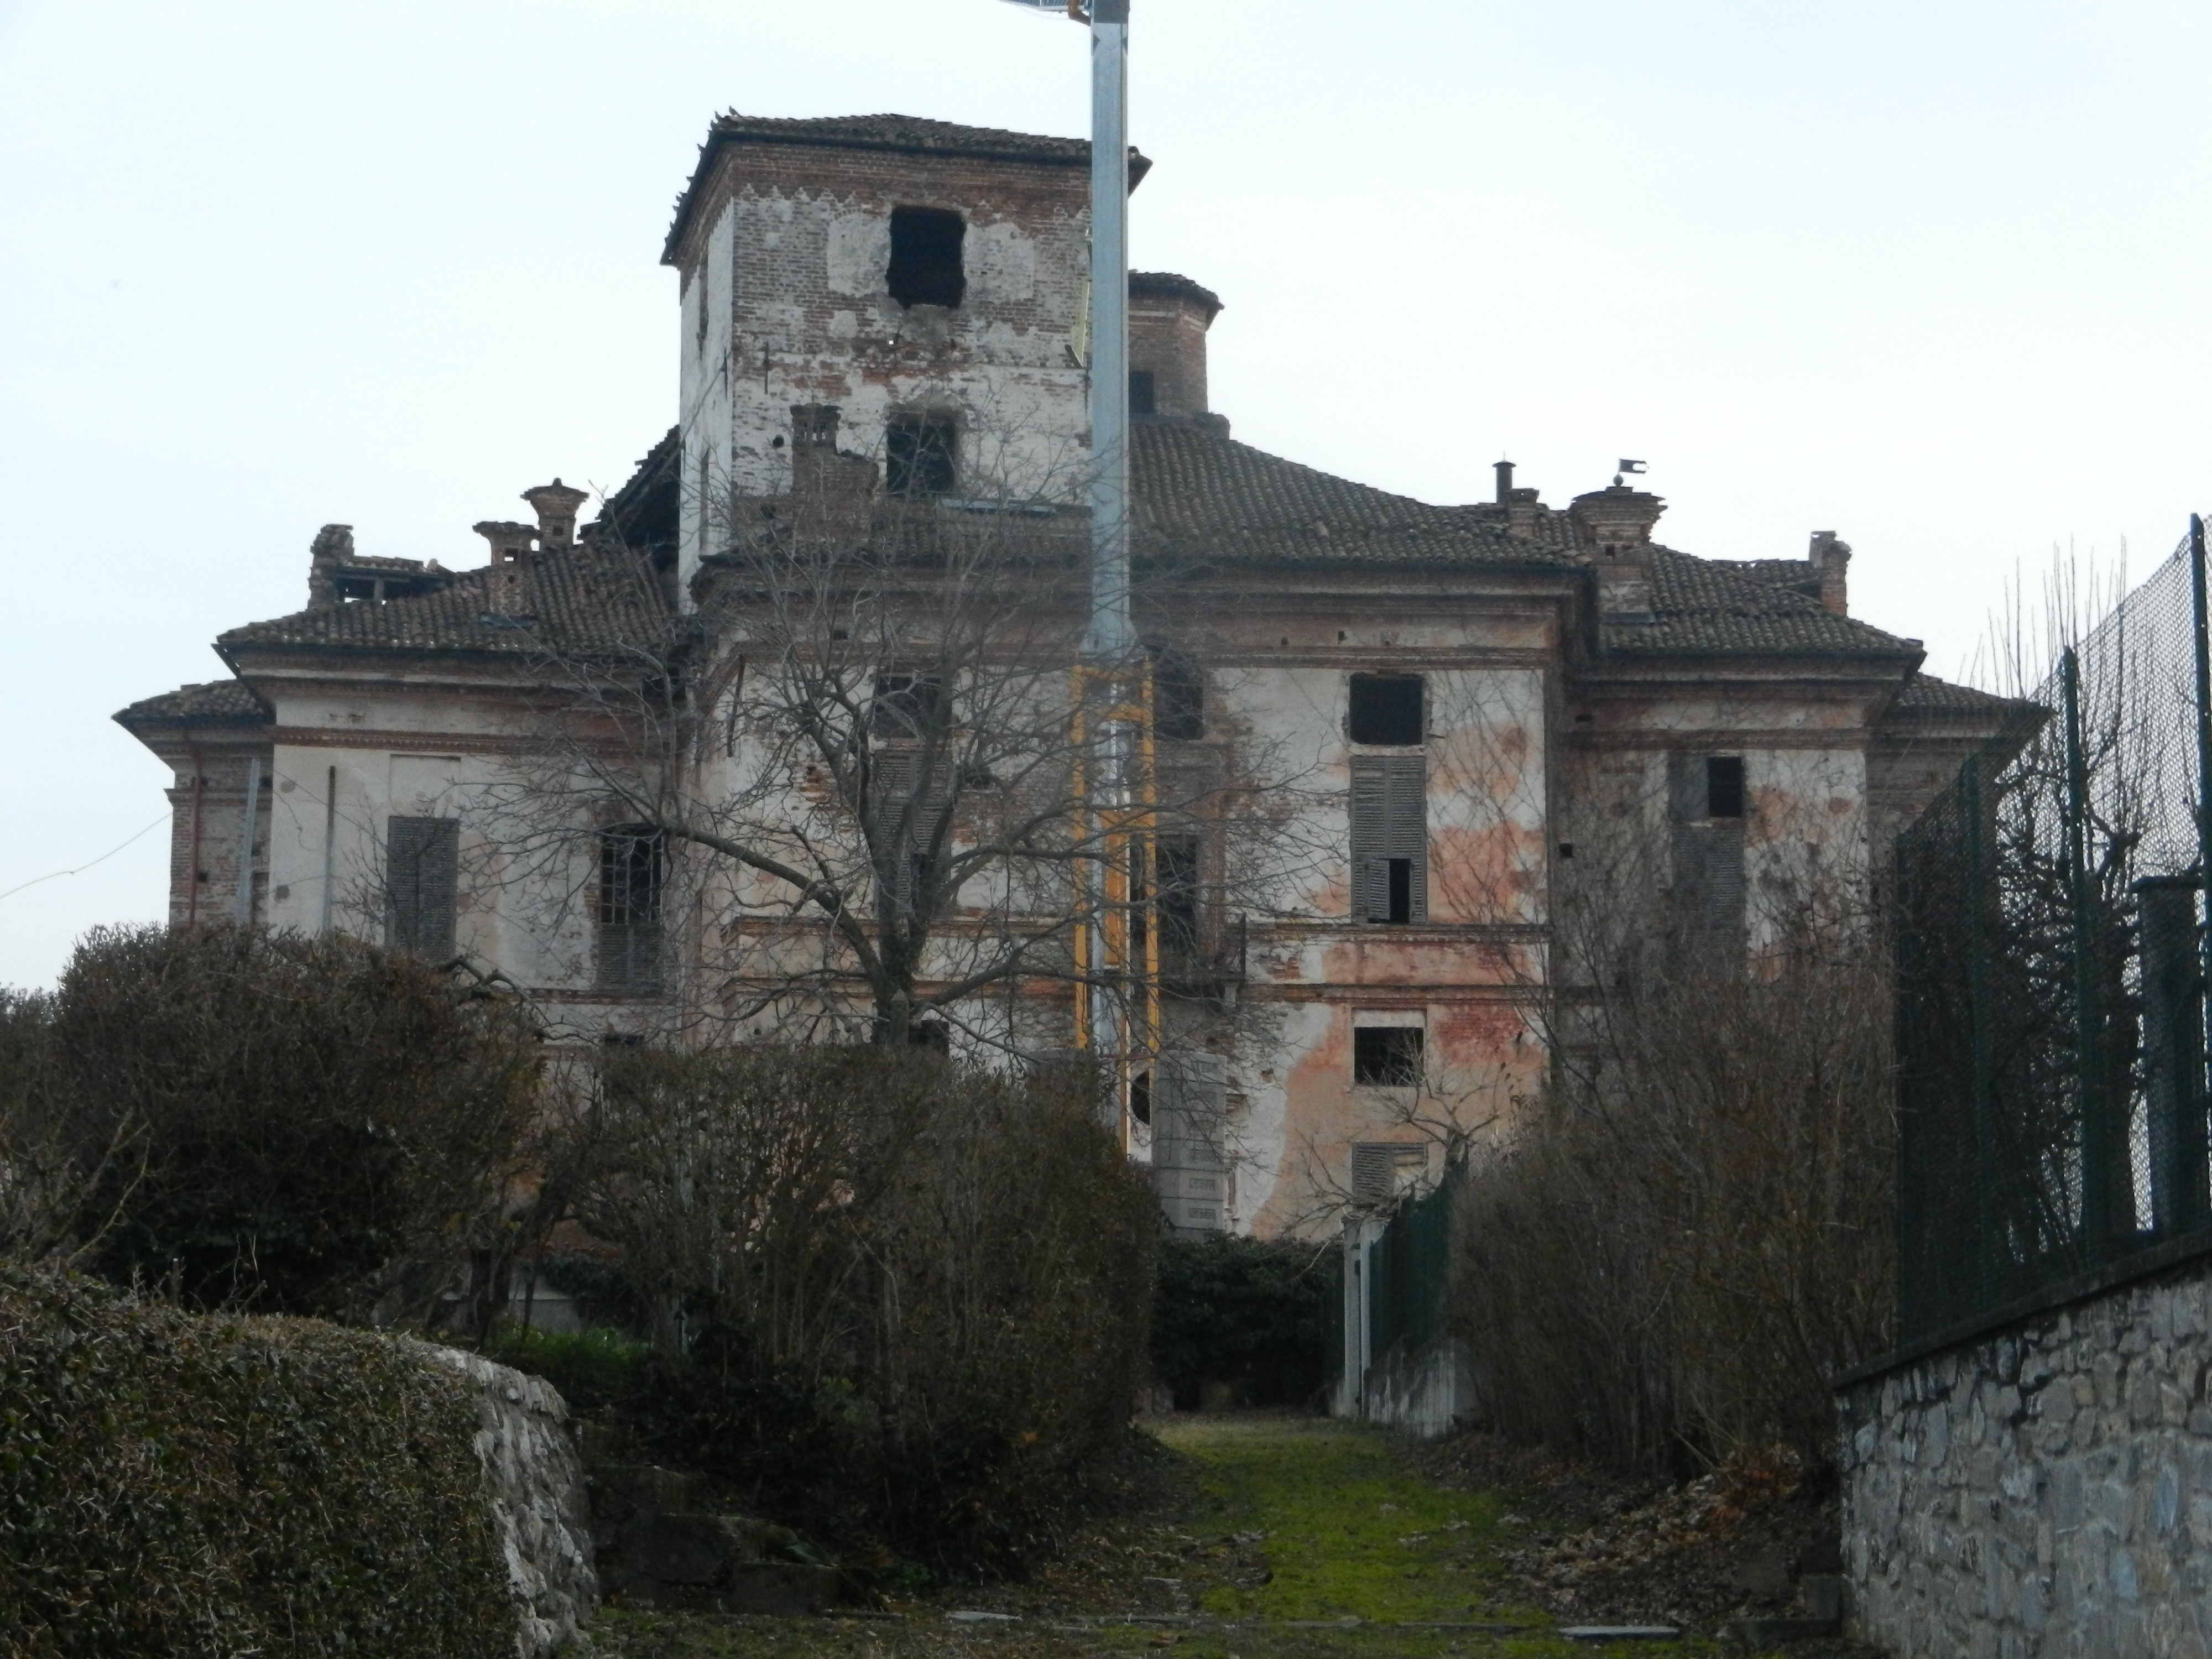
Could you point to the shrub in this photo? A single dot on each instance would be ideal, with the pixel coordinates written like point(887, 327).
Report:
point(271, 1121)
point(1692, 1232)
point(1251, 1314)
point(594, 1369)
point(181, 1486)
point(893, 1299)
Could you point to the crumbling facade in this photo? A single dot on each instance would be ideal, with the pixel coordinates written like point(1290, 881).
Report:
point(1458, 710)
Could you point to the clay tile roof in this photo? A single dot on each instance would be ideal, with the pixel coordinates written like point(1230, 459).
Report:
point(216, 702)
point(907, 134)
point(582, 599)
point(1166, 285)
point(1201, 495)
point(1789, 573)
point(1705, 607)
point(1924, 695)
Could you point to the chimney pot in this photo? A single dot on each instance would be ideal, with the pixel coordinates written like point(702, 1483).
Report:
point(555, 504)
point(1504, 482)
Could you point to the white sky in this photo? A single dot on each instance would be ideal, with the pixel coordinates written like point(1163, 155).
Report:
point(1931, 275)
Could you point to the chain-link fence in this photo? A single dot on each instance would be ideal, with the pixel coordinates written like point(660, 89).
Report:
point(2050, 1028)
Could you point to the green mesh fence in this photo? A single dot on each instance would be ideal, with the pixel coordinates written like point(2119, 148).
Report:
point(1407, 1270)
point(2051, 1021)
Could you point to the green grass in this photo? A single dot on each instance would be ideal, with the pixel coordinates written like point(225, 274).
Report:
point(1352, 1531)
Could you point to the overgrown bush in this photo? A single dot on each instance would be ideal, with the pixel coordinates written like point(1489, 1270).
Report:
point(1248, 1315)
point(1692, 1232)
point(175, 1485)
point(895, 1299)
point(264, 1120)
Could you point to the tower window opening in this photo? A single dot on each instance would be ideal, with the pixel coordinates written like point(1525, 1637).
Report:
point(919, 454)
point(926, 266)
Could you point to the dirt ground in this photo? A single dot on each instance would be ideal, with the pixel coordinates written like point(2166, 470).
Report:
point(1281, 1537)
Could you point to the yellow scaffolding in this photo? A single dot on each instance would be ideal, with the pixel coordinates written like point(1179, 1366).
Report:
point(1117, 936)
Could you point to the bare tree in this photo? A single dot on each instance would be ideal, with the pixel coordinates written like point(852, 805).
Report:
point(846, 792)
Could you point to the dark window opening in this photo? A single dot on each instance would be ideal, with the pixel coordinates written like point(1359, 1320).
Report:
point(1176, 871)
point(1386, 1056)
point(926, 268)
point(1385, 709)
point(934, 1034)
point(1143, 395)
point(1141, 1098)
point(918, 455)
point(1401, 893)
point(908, 708)
point(633, 860)
point(1178, 697)
point(1724, 786)
point(421, 873)
point(1566, 849)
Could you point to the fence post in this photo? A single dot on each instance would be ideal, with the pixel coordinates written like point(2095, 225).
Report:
point(2099, 1213)
point(1977, 1034)
point(2173, 1050)
point(2203, 628)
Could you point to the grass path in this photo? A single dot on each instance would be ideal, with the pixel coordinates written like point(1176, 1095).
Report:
point(1293, 1538)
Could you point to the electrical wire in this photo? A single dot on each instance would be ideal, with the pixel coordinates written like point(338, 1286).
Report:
point(53, 874)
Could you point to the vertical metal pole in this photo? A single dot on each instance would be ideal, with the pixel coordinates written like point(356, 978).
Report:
point(330, 844)
point(1110, 641)
point(2097, 1165)
point(1110, 637)
point(2198, 614)
point(242, 906)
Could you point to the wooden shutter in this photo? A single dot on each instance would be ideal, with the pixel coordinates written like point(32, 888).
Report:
point(1389, 820)
point(421, 862)
point(1708, 860)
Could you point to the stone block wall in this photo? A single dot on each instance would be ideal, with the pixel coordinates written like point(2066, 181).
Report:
point(2042, 1491)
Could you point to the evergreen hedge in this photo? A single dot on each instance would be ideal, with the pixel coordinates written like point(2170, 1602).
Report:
point(176, 1485)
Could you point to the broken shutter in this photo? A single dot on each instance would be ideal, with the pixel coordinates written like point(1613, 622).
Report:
point(1389, 822)
point(902, 817)
point(421, 862)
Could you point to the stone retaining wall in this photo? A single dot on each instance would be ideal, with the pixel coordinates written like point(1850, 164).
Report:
point(2042, 1491)
point(534, 1486)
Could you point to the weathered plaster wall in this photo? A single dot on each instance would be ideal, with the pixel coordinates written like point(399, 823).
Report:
point(791, 281)
point(2042, 1493)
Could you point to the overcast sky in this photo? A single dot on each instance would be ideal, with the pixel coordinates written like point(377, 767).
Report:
point(1934, 276)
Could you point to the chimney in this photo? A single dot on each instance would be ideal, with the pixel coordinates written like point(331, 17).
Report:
point(506, 588)
point(1616, 524)
point(556, 505)
point(831, 491)
point(334, 547)
point(1830, 558)
point(1169, 317)
point(1504, 482)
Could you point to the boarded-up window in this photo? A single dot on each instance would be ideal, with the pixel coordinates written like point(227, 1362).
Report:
point(421, 874)
point(1705, 801)
point(1389, 838)
point(633, 860)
